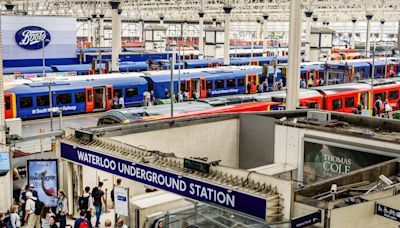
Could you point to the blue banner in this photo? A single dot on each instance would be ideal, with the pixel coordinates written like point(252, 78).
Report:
point(387, 212)
point(168, 181)
point(4, 161)
point(306, 220)
point(43, 175)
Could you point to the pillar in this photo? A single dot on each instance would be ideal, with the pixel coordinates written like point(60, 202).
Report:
point(294, 56)
point(101, 30)
point(201, 34)
point(69, 191)
point(120, 31)
point(141, 30)
point(264, 39)
point(382, 24)
point(162, 20)
point(89, 29)
point(94, 30)
point(227, 13)
point(259, 31)
point(308, 35)
point(353, 34)
point(398, 35)
point(214, 22)
point(115, 32)
point(367, 41)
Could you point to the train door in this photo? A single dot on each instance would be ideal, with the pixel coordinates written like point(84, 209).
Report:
point(109, 96)
point(364, 100)
point(9, 105)
point(188, 87)
point(252, 79)
point(203, 88)
point(99, 98)
point(316, 77)
point(307, 76)
point(89, 99)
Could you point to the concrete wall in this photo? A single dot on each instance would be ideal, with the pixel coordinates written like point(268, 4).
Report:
point(362, 215)
point(256, 146)
point(215, 140)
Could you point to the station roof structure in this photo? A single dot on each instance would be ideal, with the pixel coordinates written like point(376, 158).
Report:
point(187, 10)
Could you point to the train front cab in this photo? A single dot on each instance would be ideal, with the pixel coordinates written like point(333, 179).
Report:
point(10, 106)
point(99, 98)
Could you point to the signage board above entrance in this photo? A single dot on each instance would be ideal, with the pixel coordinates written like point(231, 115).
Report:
point(195, 189)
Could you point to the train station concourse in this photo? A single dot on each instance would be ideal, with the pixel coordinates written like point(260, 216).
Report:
point(199, 114)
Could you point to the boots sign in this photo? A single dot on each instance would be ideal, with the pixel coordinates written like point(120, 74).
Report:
point(32, 37)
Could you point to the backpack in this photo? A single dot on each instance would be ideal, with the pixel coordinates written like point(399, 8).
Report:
point(38, 207)
point(83, 202)
point(95, 192)
point(83, 224)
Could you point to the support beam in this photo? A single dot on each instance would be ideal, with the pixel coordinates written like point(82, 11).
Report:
point(89, 29)
point(382, 25)
point(141, 28)
point(367, 41)
point(398, 35)
point(353, 34)
point(94, 30)
point(308, 35)
point(293, 71)
point(214, 20)
point(120, 32)
point(264, 36)
point(227, 13)
point(162, 20)
point(115, 36)
point(201, 35)
point(259, 31)
point(101, 31)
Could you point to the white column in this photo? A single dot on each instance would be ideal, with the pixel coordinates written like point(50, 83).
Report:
point(119, 32)
point(264, 37)
point(69, 190)
point(89, 30)
point(398, 35)
point(162, 20)
point(94, 30)
point(308, 35)
point(140, 30)
point(367, 44)
point(101, 31)
point(382, 25)
point(115, 32)
point(227, 12)
point(293, 71)
point(353, 34)
point(259, 31)
point(214, 22)
point(201, 34)
point(6, 183)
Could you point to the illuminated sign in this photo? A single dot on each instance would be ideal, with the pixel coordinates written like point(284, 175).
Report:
point(32, 37)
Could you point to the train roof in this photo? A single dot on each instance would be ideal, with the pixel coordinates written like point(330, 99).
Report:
point(71, 83)
point(138, 113)
point(27, 70)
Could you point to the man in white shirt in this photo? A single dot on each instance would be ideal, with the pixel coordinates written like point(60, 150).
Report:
point(30, 216)
point(146, 98)
point(121, 102)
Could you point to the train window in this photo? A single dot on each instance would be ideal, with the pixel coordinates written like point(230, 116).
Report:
point(380, 70)
point(64, 98)
point(117, 93)
point(25, 102)
point(209, 84)
point(90, 96)
point(131, 92)
point(219, 84)
point(241, 82)
point(230, 83)
point(393, 95)
point(349, 102)
point(80, 97)
point(336, 104)
point(8, 103)
point(42, 101)
point(381, 95)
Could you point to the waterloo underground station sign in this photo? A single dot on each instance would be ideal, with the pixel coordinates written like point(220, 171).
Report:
point(169, 181)
point(32, 37)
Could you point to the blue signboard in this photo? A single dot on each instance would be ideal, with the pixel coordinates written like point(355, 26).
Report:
point(32, 37)
point(169, 181)
point(387, 212)
point(4, 161)
point(306, 220)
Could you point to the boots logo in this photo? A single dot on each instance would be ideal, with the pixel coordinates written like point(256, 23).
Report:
point(32, 37)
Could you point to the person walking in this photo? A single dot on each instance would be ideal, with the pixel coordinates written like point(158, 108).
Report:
point(120, 224)
point(98, 199)
point(86, 204)
point(82, 221)
point(15, 219)
point(62, 208)
point(31, 217)
point(45, 216)
point(107, 223)
point(121, 102)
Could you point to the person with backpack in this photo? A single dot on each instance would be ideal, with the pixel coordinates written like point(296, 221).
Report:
point(82, 222)
point(62, 208)
point(98, 199)
point(378, 105)
point(86, 204)
point(33, 208)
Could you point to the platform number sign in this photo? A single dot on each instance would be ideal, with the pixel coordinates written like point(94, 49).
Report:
point(32, 37)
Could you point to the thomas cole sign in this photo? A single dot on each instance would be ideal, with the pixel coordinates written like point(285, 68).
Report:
point(168, 181)
point(32, 37)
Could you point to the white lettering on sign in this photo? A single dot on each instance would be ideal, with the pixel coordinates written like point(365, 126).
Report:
point(46, 110)
point(336, 164)
point(223, 198)
point(31, 37)
point(224, 91)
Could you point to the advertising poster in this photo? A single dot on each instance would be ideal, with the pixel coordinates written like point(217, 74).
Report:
point(121, 197)
point(323, 161)
point(44, 176)
point(4, 161)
